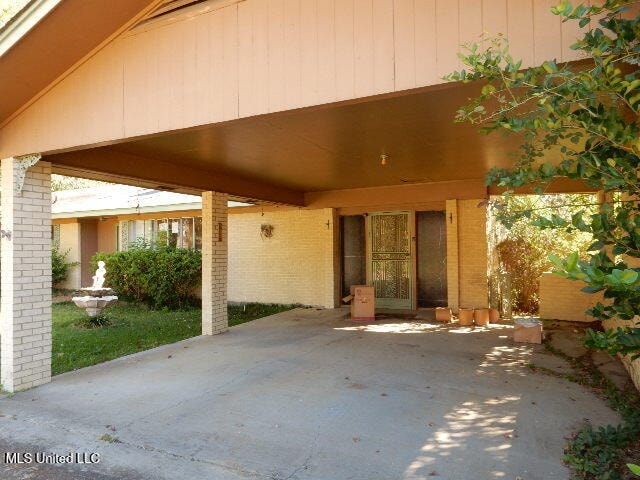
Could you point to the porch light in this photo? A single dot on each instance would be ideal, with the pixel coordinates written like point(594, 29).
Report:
point(383, 159)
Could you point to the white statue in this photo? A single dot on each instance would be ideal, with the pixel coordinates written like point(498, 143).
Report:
point(98, 278)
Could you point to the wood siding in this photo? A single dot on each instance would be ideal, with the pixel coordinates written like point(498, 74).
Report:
point(263, 56)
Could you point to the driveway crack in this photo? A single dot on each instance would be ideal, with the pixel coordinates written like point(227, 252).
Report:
point(306, 463)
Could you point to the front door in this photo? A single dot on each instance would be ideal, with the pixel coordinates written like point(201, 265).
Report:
point(390, 259)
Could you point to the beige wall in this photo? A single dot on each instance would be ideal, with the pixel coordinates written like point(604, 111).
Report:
point(453, 267)
point(260, 56)
point(300, 263)
point(107, 235)
point(70, 240)
point(561, 299)
point(295, 265)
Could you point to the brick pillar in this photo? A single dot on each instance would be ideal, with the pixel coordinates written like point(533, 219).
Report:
point(25, 318)
point(214, 263)
point(472, 254)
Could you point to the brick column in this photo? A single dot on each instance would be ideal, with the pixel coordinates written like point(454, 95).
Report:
point(25, 318)
point(214, 263)
point(472, 254)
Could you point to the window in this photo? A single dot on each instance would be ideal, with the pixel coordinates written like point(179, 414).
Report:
point(55, 234)
point(183, 232)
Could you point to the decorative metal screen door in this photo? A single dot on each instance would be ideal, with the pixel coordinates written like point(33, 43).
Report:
point(390, 254)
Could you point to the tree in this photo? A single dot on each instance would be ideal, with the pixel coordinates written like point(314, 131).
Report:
point(8, 8)
point(520, 248)
point(60, 182)
point(579, 121)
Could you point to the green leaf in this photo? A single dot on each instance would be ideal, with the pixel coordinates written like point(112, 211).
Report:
point(555, 260)
point(550, 66)
point(572, 261)
point(488, 89)
point(626, 276)
point(635, 469)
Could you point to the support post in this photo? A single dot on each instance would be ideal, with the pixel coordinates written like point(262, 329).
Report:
point(214, 263)
point(25, 317)
point(453, 281)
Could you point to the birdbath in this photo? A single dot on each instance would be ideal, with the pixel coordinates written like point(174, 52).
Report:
point(96, 297)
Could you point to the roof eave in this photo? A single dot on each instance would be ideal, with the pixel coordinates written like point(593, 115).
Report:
point(128, 211)
point(27, 18)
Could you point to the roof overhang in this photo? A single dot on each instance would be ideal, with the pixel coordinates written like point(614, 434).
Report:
point(48, 38)
point(284, 157)
point(23, 22)
point(128, 211)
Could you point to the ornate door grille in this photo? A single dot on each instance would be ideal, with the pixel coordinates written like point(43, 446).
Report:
point(391, 259)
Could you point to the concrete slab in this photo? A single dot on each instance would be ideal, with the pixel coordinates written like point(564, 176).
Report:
point(307, 394)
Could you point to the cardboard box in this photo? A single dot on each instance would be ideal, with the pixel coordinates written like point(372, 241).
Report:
point(443, 314)
point(363, 305)
point(527, 330)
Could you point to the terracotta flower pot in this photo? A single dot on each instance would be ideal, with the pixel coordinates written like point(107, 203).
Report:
point(465, 316)
point(443, 314)
point(494, 315)
point(481, 316)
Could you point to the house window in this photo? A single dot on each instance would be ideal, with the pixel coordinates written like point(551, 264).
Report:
point(197, 233)
point(55, 234)
point(183, 232)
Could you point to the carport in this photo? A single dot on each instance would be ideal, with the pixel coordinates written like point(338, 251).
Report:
point(251, 100)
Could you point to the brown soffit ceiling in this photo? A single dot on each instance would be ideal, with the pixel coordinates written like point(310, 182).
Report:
point(327, 147)
point(70, 32)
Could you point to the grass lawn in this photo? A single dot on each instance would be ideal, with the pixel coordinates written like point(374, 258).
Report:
point(132, 329)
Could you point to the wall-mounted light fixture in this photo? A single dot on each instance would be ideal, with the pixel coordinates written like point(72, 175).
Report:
point(266, 230)
point(383, 159)
point(5, 234)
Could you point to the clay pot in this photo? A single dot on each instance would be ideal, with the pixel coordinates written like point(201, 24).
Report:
point(481, 316)
point(465, 316)
point(443, 314)
point(494, 315)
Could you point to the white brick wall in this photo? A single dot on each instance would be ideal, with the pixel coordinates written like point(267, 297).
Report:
point(25, 319)
point(214, 263)
point(296, 265)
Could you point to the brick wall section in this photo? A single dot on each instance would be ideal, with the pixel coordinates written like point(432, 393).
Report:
point(472, 254)
point(295, 265)
point(453, 285)
point(633, 367)
point(561, 299)
point(25, 319)
point(214, 263)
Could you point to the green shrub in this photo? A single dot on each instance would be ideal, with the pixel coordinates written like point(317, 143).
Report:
point(59, 265)
point(161, 278)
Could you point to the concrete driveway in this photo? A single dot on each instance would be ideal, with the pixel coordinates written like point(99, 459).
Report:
point(307, 394)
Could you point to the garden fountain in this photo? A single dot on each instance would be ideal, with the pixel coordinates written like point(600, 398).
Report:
point(96, 297)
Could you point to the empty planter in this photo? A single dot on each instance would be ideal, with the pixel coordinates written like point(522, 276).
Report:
point(481, 316)
point(465, 316)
